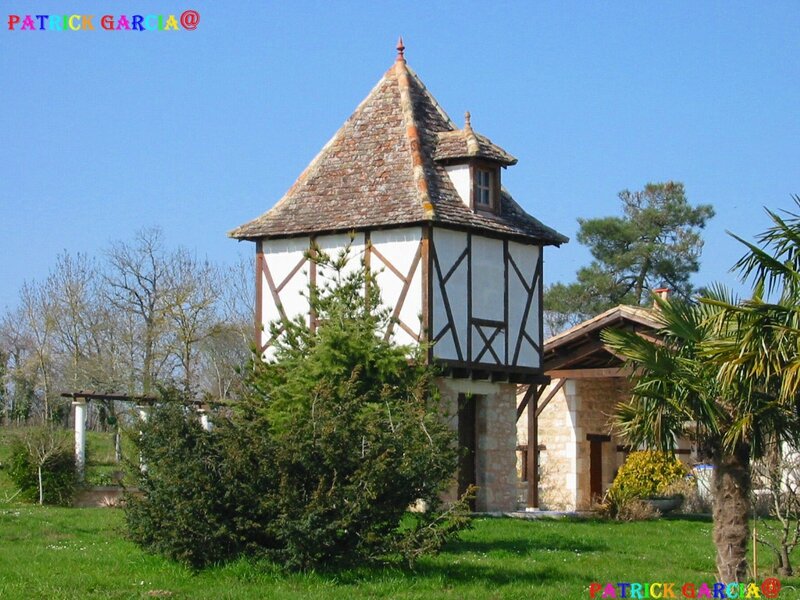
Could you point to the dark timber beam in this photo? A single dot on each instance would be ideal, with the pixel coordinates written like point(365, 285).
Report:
point(533, 447)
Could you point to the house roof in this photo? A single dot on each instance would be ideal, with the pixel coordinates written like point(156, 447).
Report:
point(380, 170)
point(580, 347)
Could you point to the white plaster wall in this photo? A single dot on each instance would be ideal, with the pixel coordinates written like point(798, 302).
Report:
point(488, 294)
point(449, 246)
point(399, 247)
point(459, 176)
point(280, 257)
point(526, 258)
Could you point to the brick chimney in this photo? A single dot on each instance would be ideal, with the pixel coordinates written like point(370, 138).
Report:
point(662, 293)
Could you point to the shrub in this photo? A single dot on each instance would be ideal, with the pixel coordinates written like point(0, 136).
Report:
point(195, 487)
point(647, 473)
point(318, 461)
point(42, 465)
point(644, 474)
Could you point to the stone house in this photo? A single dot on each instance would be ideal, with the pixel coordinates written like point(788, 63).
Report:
point(570, 424)
point(421, 202)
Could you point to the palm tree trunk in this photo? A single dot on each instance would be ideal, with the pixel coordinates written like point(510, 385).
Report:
point(731, 510)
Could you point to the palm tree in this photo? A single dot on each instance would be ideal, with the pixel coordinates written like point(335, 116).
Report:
point(677, 392)
point(763, 345)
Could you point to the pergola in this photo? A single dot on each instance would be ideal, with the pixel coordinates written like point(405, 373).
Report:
point(143, 404)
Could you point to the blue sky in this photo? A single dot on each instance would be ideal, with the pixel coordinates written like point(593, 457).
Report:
point(103, 133)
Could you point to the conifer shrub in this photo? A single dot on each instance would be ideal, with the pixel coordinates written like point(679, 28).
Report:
point(318, 461)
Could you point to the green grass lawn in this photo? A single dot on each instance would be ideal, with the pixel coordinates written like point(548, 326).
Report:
point(54, 553)
point(81, 553)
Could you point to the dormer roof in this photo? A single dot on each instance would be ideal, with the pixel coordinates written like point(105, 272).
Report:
point(464, 144)
point(380, 170)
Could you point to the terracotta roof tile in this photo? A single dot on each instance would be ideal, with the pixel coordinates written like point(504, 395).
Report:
point(456, 144)
point(379, 169)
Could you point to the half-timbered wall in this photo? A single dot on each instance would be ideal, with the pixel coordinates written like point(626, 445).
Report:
point(396, 258)
point(285, 272)
point(486, 296)
point(282, 274)
point(484, 292)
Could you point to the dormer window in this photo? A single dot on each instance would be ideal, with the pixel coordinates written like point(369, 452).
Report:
point(473, 164)
point(485, 196)
point(484, 186)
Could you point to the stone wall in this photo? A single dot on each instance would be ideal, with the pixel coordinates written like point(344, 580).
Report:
point(596, 400)
point(581, 407)
point(496, 440)
point(557, 476)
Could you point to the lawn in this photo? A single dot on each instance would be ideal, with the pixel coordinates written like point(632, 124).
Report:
point(54, 553)
point(81, 553)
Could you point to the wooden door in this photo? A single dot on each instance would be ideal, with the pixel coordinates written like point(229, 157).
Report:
point(595, 469)
point(596, 464)
point(467, 443)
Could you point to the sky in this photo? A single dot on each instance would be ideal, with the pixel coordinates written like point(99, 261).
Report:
point(103, 133)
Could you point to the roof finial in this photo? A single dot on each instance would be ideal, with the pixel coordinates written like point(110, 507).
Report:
point(400, 49)
point(467, 124)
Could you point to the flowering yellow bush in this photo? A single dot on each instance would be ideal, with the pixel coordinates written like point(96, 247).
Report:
point(647, 473)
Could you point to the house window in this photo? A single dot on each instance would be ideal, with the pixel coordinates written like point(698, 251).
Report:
point(483, 188)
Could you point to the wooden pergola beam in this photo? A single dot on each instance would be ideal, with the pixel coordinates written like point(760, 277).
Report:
point(88, 396)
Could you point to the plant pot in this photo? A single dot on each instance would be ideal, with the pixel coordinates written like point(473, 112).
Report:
point(665, 504)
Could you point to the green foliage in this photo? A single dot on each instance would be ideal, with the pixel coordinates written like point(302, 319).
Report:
point(47, 452)
point(318, 462)
point(656, 243)
point(648, 473)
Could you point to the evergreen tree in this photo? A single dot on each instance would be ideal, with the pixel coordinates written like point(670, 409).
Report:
point(656, 243)
point(319, 460)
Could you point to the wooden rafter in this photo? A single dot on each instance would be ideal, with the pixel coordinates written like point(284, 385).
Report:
point(550, 395)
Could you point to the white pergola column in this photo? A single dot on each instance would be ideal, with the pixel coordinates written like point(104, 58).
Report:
point(204, 421)
point(144, 413)
point(80, 437)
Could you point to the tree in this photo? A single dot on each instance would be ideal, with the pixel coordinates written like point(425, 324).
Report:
point(191, 310)
point(677, 393)
point(656, 243)
point(43, 465)
point(757, 342)
point(778, 474)
point(764, 345)
point(36, 312)
point(138, 283)
point(319, 460)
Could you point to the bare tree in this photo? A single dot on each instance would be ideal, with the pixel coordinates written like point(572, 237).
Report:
point(778, 477)
point(36, 312)
point(223, 355)
point(194, 293)
point(21, 367)
point(138, 284)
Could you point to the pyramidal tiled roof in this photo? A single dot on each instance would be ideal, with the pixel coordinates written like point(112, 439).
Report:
point(380, 170)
